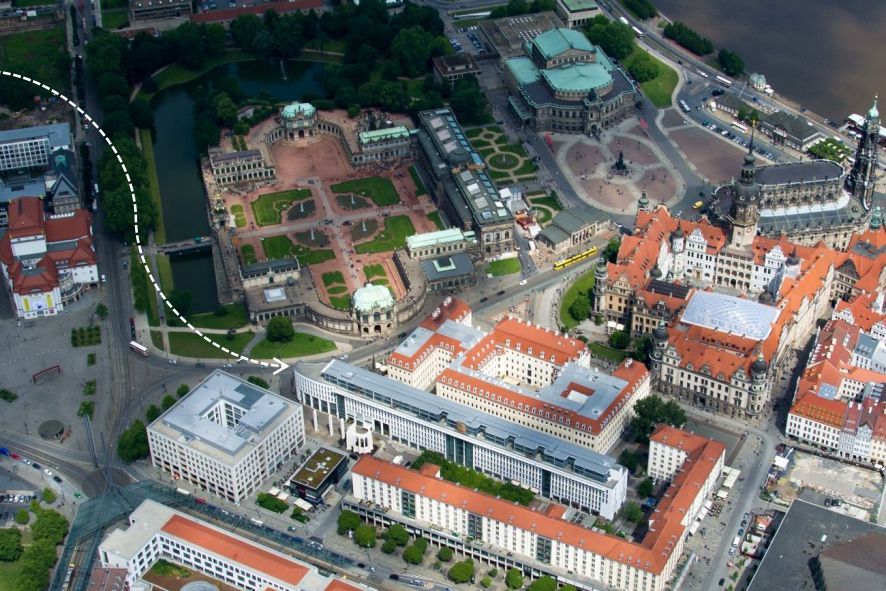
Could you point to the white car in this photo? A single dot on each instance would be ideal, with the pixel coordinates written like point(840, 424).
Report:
point(47, 471)
point(26, 461)
point(523, 282)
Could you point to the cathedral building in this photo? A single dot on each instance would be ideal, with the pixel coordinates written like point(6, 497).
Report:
point(813, 201)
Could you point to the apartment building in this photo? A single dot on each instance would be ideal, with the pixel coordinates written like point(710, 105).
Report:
point(552, 467)
point(227, 436)
point(538, 542)
point(157, 532)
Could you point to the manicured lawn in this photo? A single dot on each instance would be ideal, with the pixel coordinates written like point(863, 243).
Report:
point(268, 209)
point(189, 344)
point(582, 287)
point(336, 289)
point(374, 271)
point(604, 352)
point(333, 277)
point(503, 161)
point(380, 190)
point(340, 302)
point(247, 251)
point(515, 149)
point(660, 88)
point(504, 267)
point(419, 186)
point(549, 202)
point(153, 183)
point(43, 51)
point(302, 344)
point(164, 268)
point(235, 317)
point(397, 228)
point(281, 247)
point(239, 215)
point(157, 339)
point(10, 572)
point(115, 19)
point(475, 132)
point(434, 216)
point(528, 167)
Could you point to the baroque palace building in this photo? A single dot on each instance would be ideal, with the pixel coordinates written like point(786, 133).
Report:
point(724, 306)
point(814, 201)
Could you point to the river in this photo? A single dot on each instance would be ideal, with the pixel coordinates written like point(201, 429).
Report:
point(181, 189)
point(824, 55)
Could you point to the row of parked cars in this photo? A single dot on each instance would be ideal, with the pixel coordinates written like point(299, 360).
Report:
point(736, 138)
point(16, 498)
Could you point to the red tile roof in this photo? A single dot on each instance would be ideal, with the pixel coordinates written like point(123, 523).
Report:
point(819, 409)
point(229, 14)
point(861, 309)
point(25, 217)
point(236, 550)
point(456, 311)
point(651, 555)
point(512, 333)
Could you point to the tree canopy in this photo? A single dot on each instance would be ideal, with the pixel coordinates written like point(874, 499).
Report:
point(688, 38)
point(461, 572)
point(615, 39)
point(10, 544)
point(347, 521)
point(545, 583)
point(653, 410)
point(133, 443)
point(365, 536)
point(730, 61)
point(280, 329)
point(415, 552)
point(514, 578)
point(398, 534)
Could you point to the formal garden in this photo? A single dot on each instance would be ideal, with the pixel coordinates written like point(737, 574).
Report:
point(380, 190)
point(504, 267)
point(397, 228)
point(508, 163)
point(268, 209)
point(544, 206)
point(281, 247)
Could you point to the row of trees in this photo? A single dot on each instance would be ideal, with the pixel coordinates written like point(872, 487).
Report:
point(688, 38)
point(730, 61)
point(47, 531)
point(615, 39)
point(642, 9)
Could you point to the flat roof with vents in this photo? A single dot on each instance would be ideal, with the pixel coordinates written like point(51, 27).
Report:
point(317, 468)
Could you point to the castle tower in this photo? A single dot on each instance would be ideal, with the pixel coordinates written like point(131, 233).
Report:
point(862, 177)
point(643, 204)
point(660, 343)
point(759, 394)
point(746, 194)
point(876, 219)
point(600, 277)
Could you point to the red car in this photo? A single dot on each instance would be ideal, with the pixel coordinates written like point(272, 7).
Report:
point(15, 456)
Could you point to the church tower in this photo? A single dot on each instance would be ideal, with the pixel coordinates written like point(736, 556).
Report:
point(746, 194)
point(862, 178)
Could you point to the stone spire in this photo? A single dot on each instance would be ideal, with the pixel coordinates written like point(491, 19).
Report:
point(876, 219)
point(861, 179)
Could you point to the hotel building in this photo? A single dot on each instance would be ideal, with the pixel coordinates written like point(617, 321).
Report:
point(157, 532)
point(227, 436)
point(541, 541)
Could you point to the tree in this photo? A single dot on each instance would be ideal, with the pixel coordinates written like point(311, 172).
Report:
point(642, 9)
point(415, 553)
point(398, 534)
point(653, 410)
point(365, 536)
point(580, 307)
point(486, 582)
point(180, 300)
point(347, 521)
point(610, 253)
point(731, 63)
point(632, 512)
point(50, 526)
point(101, 311)
point(244, 29)
point(444, 554)
point(544, 583)
point(141, 114)
point(619, 340)
point(49, 495)
point(153, 413)
point(168, 402)
point(225, 110)
point(629, 460)
point(10, 544)
point(468, 101)
point(182, 390)
point(133, 443)
point(645, 488)
point(260, 382)
point(642, 68)
point(461, 572)
point(688, 38)
point(615, 39)
point(514, 578)
point(22, 516)
point(389, 547)
point(280, 329)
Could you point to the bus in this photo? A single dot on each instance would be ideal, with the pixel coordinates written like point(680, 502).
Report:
point(68, 576)
point(702, 74)
point(739, 127)
point(724, 81)
point(623, 20)
point(577, 258)
point(684, 106)
point(140, 349)
point(637, 31)
point(182, 491)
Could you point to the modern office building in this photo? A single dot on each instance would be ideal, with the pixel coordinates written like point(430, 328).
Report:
point(32, 147)
point(554, 468)
point(576, 13)
point(323, 469)
point(538, 541)
point(456, 177)
point(157, 532)
point(453, 68)
point(227, 436)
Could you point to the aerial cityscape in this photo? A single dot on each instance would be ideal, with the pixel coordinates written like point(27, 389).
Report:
point(444, 295)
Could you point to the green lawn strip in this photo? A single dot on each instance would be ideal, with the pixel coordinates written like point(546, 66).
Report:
point(235, 316)
point(504, 161)
point(281, 247)
point(543, 215)
point(660, 88)
point(549, 202)
point(474, 132)
point(604, 352)
point(504, 267)
point(497, 174)
point(434, 216)
point(268, 209)
point(333, 277)
point(157, 339)
point(153, 183)
point(336, 290)
point(42, 51)
point(178, 74)
point(164, 268)
point(278, 247)
point(340, 302)
point(397, 228)
point(239, 215)
point(311, 256)
point(189, 344)
point(301, 345)
point(528, 167)
point(480, 143)
point(10, 573)
point(419, 186)
point(115, 18)
point(247, 251)
point(582, 286)
point(143, 292)
point(515, 149)
point(371, 271)
point(486, 152)
point(380, 190)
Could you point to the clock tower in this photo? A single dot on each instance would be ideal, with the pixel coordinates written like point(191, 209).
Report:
point(745, 196)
